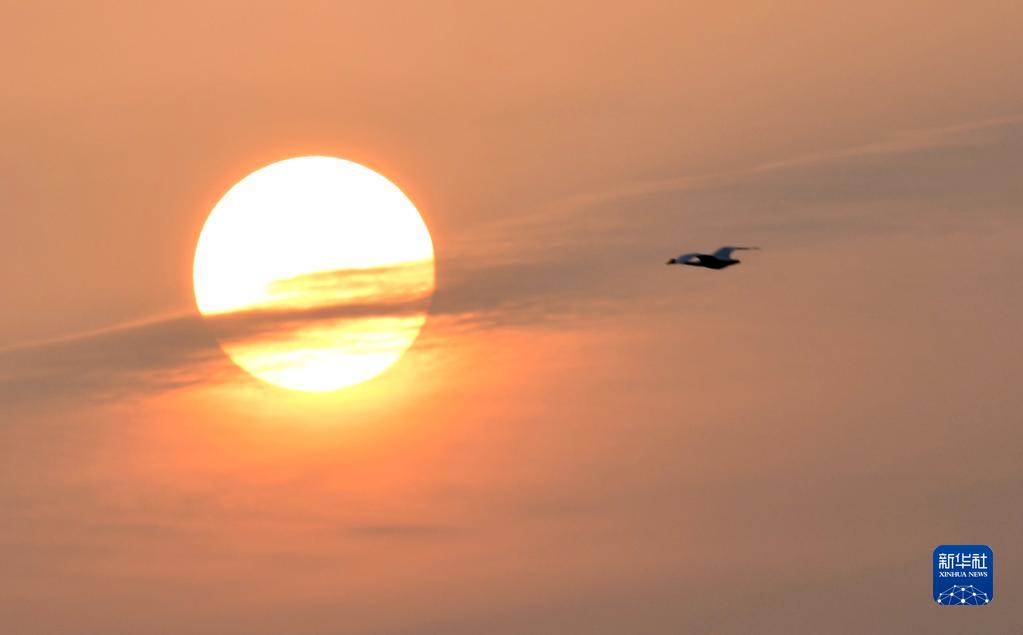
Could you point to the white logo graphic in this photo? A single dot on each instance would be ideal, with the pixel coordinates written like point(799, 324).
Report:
point(963, 595)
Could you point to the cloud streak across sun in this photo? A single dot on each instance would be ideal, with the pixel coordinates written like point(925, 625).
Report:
point(569, 283)
point(309, 216)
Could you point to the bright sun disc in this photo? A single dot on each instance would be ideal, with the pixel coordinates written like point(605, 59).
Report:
point(315, 273)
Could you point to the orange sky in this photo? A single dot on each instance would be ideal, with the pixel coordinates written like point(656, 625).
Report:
point(582, 440)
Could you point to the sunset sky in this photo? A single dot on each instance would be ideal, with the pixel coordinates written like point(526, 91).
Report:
point(581, 440)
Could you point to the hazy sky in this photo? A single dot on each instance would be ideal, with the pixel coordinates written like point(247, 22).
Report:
point(583, 440)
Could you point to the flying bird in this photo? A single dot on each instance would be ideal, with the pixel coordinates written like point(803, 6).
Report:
point(718, 260)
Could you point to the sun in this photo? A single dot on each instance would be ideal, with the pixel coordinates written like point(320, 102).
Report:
point(314, 273)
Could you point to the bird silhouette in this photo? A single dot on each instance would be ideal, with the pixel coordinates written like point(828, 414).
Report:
point(718, 260)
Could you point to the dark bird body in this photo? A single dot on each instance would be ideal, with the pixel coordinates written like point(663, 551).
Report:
point(718, 260)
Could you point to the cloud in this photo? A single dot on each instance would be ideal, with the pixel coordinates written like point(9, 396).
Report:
point(160, 354)
point(182, 350)
point(393, 531)
point(956, 172)
point(575, 260)
point(406, 281)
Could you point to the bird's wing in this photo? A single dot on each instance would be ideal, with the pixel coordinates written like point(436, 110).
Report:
point(726, 252)
point(688, 258)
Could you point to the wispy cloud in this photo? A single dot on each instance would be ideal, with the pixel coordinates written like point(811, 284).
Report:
point(182, 350)
point(405, 281)
point(572, 261)
point(401, 531)
point(163, 353)
point(971, 162)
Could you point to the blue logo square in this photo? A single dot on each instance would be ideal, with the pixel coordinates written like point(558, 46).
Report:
point(964, 575)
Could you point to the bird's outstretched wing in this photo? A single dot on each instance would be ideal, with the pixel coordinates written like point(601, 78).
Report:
point(726, 252)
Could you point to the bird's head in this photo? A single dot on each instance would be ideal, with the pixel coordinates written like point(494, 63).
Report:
point(671, 262)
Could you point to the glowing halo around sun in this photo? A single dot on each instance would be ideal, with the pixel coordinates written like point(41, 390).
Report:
point(314, 273)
